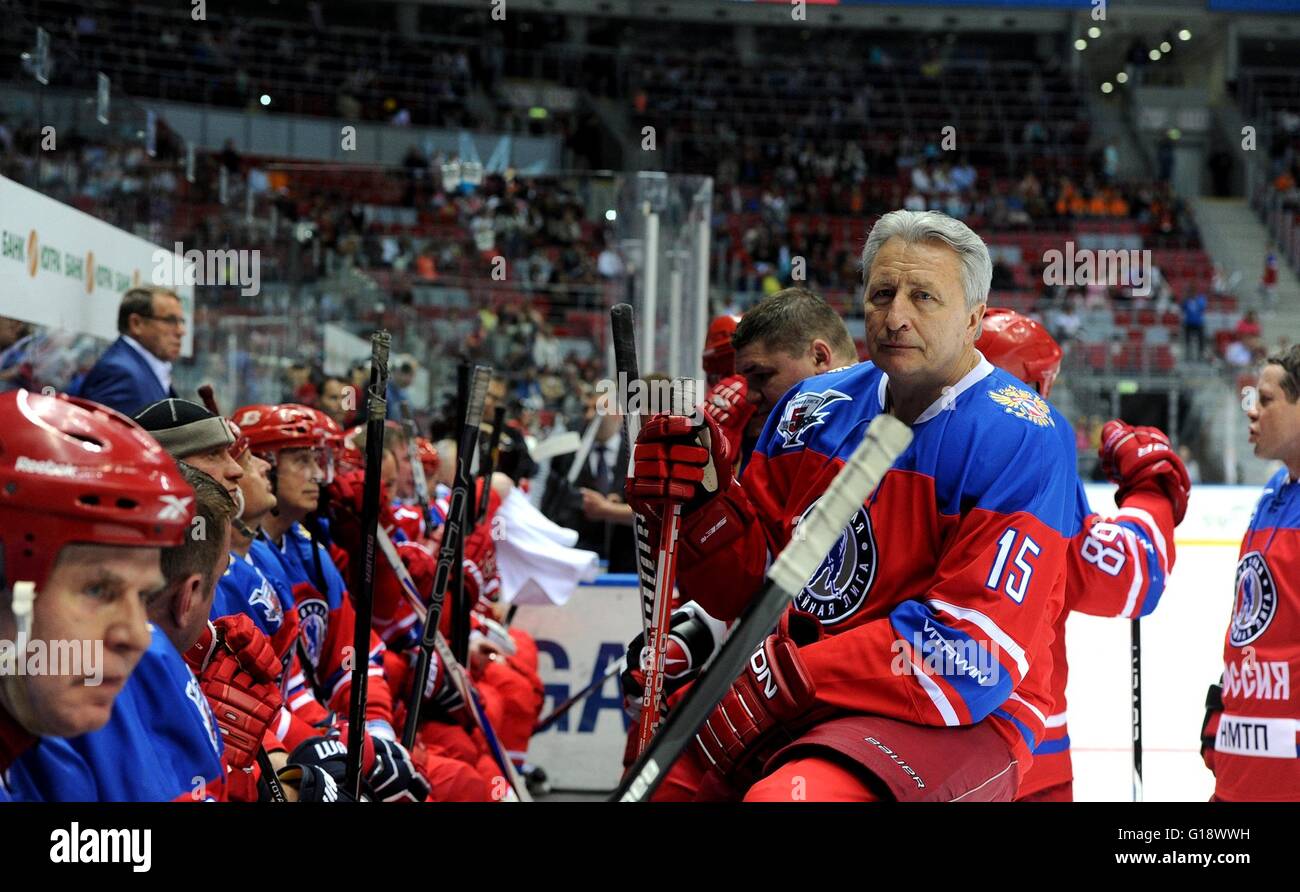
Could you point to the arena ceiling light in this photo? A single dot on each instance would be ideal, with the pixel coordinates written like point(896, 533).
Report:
point(1184, 34)
point(1094, 32)
point(266, 99)
point(1107, 87)
point(1165, 46)
point(1081, 44)
point(1121, 78)
point(1154, 55)
point(611, 215)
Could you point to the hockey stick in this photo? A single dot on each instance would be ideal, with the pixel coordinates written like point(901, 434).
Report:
point(453, 530)
point(623, 326)
point(1135, 670)
point(545, 722)
point(417, 467)
point(493, 454)
point(457, 672)
point(364, 599)
point(464, 478)
point(885, 440)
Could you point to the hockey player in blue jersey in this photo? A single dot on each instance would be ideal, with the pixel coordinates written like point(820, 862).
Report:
point(163, 741)
point(96, 499)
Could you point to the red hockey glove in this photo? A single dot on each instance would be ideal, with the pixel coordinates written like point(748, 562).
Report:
point(726, 404)
point(775, 690)
point(243, 706)
point(1141, 457)
point(240, 638)
point(690, 644)
point(679, 459)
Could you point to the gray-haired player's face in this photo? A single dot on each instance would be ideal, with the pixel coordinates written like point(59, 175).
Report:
point(94, 593)
point(918, 328)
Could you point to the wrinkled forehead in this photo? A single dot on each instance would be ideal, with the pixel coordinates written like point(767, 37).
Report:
point(920, 263)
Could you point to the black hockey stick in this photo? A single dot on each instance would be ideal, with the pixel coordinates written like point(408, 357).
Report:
point(364, 600)
point(546, 721)
point(885, 440)
point(453, 530)
point(1135, 674)
point(464, 477)
point(493, 454)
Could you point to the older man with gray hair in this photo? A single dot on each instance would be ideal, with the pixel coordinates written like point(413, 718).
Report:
point(915, 663)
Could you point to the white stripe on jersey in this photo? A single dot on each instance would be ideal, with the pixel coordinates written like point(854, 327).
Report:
point(1032, 708)
point(1137, 558)
point(1055, 721)
point(989, 628)
point(935, 694)
point(1153, 528)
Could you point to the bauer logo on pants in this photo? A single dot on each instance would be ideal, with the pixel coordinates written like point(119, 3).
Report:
point(1256, 600)
point(840, 584)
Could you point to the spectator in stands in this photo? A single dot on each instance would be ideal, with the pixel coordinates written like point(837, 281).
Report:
point(398, 384)
point(337, 399)
point(1190, 462)
point(136, 370)
point(1194, 326)
point(1268, 281)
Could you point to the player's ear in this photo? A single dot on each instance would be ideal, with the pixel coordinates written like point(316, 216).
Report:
point(821, 352)
point(188, 596)
point(976, 321)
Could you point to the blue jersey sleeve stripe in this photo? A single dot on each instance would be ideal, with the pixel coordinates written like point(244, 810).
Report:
point(1155, 572)
point(965, 664)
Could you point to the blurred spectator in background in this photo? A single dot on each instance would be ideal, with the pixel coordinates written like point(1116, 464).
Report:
point(1194, 326)
point(337, 399)
point(15, 364)
point(399, 383)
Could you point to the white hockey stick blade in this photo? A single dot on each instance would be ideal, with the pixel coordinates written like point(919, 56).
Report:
point(813, 538)
point(559, 444)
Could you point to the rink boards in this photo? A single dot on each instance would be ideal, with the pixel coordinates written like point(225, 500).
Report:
point(1182, 647)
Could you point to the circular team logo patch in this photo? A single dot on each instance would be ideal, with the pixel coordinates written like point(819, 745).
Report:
point(1256, 601)
point(842, 580)
point(313, 616)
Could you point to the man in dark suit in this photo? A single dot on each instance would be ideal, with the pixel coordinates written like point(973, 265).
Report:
point(136, 370)
point(594, 504)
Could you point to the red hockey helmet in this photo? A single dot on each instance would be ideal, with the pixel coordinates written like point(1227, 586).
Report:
point(719, 356)
point(351, 458)
point(73, 471)
point(1020, 346)
point(272, 429)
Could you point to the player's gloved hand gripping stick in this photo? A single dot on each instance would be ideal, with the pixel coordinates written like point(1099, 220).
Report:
point(885, 440)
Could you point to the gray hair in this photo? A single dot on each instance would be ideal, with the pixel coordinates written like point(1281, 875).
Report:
point(923, 226)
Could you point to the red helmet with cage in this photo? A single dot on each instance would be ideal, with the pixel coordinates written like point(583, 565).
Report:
point(428, 457)
point(719, 356)
point(330, 429)
point(270, 429)
point(1021, 346)
point(73, 471)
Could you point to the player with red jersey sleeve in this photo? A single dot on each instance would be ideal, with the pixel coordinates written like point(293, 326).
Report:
point(916, 662)
point(1117, 565)
point(1249, 739)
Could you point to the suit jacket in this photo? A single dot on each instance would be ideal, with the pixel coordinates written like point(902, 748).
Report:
point(122, 380)
point(614, 542)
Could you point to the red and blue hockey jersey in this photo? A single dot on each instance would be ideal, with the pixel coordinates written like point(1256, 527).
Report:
point(326, 620)
point(1116, 567)
point(1255, 753)
point(940, 595)
point(161, 744)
